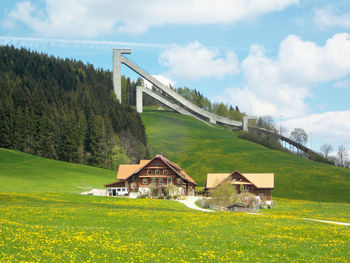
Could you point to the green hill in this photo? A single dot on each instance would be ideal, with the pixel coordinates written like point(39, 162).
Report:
point(201, 149)
point(21, 172)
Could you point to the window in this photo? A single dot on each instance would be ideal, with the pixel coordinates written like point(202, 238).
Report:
point(118, 189)
point(160, 181)
point(133, 186)
point(246, 188)
point(179, 181)
point(123, 189)
point(145, 181)
point(157, 171)
point(165, 171)
point(149, 172)
point(153, 181)
point(169, 180)
point(157, 164)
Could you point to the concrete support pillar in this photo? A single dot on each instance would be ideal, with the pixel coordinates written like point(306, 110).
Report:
point(139, 98)
point(117, 79)
point(245, 123)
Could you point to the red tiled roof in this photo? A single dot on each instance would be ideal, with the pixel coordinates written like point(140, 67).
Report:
point(117, 183)
point(125, 170)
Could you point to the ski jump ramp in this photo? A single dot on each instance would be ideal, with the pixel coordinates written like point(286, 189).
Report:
point(187, 107)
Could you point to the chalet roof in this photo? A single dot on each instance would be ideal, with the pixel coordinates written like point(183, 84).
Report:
point(117, 183)
point(213, 180)
point(260, 180)
point(126, 170)
point(177, 169)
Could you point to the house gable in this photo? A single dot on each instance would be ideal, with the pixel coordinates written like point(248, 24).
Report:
point(237, 178)
point(156, 168)
point(160, 163)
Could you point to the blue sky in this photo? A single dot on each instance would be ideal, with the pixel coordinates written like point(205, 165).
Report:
point(286, 58)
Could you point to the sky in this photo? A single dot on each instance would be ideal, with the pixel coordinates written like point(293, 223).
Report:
point(289, 59)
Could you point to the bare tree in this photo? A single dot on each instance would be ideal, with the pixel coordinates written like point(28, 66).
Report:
point(282, 130)
point(299, 135)
point(326, 149)
point(342, 153)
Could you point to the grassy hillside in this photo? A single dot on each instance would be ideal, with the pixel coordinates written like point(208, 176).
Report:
point(62, 227)
point(21, 172)
point(201, 149)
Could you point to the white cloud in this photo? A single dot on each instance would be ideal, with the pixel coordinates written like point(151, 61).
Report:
point(280, 86)
point(306, 62)
point(327, 17)
point(328, 127)
point(195, 61)
point(342, 84)
point(164, 80)
point(90, 18)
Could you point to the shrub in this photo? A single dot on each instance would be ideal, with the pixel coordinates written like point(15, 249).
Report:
point(153, 189)
point(267, 140)
point(225, 194)
point(248, 199)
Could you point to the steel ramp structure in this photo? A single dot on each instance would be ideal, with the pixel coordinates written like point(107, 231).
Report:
point(187, 108)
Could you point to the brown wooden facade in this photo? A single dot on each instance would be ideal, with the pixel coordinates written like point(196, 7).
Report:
point(240, 182)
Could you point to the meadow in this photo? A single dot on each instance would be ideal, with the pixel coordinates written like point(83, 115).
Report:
point(60, 227)
point(21, 172)
point(43, 219)
point(200, 149)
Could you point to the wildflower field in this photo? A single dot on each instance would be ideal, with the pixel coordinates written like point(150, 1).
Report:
point(43, 219)
point(59, 227)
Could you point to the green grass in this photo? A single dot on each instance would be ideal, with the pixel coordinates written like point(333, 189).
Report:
point(201, 149)
point(58, 227)
point(308, 209)
point(42, 219)
point(20, 172)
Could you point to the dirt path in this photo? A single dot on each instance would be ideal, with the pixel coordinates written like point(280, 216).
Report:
point(189, 202)
point(328, 222)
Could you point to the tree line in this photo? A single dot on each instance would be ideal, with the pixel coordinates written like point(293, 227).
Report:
point(65, 110)
point(298, 135)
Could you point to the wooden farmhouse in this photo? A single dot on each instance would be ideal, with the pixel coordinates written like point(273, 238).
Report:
point(259, 184)
point(137, 179)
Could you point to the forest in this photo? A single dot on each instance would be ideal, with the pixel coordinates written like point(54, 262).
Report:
point(65, 110)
